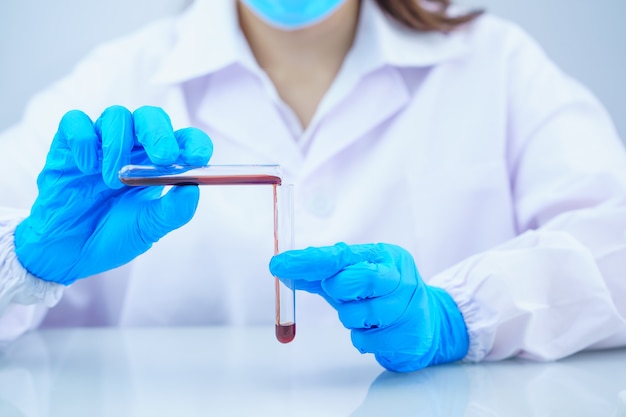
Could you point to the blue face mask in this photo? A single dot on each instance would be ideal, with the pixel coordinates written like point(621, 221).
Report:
point(292, 14)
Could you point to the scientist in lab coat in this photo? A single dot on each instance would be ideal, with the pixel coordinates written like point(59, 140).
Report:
point(457, 195)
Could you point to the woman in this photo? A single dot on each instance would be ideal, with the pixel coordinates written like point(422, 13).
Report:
point(495, 183)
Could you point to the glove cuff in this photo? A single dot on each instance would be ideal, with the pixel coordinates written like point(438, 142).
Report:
point(453, 342)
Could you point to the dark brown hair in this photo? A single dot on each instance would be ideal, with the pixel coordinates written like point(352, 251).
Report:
point(432, 17)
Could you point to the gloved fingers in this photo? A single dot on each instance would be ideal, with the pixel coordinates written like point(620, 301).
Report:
point(385, 341)
point(77, 133)
point(196, 147)
point(154, 131)
point(314, 287)
point(402, 361)
point(116, 130)
point(409, 331)
point(373, 340)
point(317, 263)
point(362, 280)
point(371, 313)
point(160, 216)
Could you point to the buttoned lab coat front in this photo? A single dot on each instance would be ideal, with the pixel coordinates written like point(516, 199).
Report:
point(501, 175)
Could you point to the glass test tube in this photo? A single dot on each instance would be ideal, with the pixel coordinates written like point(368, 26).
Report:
point(148, 175)
point(284, 240)
point(144, 175)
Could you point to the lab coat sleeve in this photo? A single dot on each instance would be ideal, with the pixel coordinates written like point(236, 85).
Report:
point(559, 287)
point(24, 298)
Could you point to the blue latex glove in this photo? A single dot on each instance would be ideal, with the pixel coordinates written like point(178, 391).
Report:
point(382, 299)
point(84, 220)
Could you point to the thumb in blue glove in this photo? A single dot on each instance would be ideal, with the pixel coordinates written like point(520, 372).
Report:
point(380, 296)
point(84, 220)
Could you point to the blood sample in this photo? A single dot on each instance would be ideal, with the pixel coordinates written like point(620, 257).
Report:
point(153, 175)
point(285, 332)
point(145, 175)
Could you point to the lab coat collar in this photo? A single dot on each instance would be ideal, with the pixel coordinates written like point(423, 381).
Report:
point(371, 73)
point(208, 39)
point(385, 42)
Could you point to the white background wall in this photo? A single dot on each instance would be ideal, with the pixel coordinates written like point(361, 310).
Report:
point(41, 40)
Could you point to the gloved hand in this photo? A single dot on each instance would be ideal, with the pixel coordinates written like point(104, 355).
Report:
point(382, 299)
point(84, 220)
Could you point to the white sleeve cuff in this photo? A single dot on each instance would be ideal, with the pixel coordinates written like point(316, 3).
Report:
point(478, 321)
point(17, 285)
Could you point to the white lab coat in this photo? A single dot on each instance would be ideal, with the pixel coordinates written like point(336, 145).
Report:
point(502, 176)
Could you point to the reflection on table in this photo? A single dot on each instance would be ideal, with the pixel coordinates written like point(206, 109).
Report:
point(244, 371)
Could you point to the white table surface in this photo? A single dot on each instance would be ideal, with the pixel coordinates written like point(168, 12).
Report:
point(226, 371)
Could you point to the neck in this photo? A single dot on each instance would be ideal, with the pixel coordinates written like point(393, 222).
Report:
point(302, 63)
point(325, 43)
